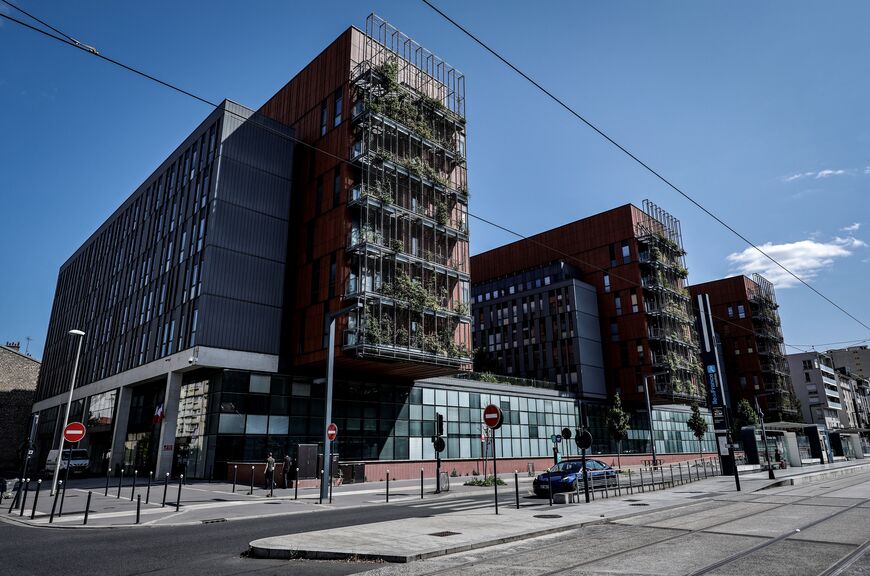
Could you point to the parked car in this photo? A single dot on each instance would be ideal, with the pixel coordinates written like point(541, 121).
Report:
point(78, 461)
point(568, 476)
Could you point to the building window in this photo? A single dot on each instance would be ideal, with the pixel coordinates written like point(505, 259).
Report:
point(640, 353)
point(315, 281)
point(730, 311)
point(332, 274)
point(634, 307)
point(807, 377)
point(626, 252)
point(617, 301)
point(318, 197)
point(741, 311)
point(613, 262)
point(323, 113)
point(336, 187)
point(339, 104)
point(606, 282)
point(614, 332)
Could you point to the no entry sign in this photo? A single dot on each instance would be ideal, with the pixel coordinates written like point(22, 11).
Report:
point(331, 431)
point(492, 416)
point(74, 432)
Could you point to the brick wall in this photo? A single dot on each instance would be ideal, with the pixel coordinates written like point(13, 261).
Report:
point(18, 375)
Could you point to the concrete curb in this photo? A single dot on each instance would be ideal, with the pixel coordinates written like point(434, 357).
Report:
point(819, 476)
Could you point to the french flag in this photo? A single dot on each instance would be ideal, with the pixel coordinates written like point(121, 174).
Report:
point(158, 414)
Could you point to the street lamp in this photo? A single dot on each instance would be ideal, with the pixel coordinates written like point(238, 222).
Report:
point(764, 439)
point(652, 440)
point(327, 416)
point(72, 386)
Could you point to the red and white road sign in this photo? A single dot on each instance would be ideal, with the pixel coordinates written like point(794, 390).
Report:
point(331, 431)
point(492, 416)
point(74, 432)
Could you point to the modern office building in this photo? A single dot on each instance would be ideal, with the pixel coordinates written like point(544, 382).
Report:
point(747, 324)
point(205, 297)
point(634, 259)
point(597, 306)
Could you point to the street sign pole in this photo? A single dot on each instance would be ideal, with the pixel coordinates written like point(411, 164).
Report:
point(494, 472)
point(493, 418)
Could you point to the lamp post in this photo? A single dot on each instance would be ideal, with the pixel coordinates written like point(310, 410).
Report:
point(652, 440)
point(764, 439)
point(72, 386)
point(327, 415)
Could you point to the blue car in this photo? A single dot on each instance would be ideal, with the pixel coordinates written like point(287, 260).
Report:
point(568, 476)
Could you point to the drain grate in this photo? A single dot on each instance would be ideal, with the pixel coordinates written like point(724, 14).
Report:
point(547, 516)
point(639, 504)
point(444, 534)
point(214, 521)
point(632, 500)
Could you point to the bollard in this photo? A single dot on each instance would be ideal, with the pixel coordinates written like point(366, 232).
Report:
point(549, 489)
point(593, 487)
point(517, 486)
point(108, 472)
point(577, 488)
point(87, 509)
point(24, 499)
point(662, 476)
point(388, 485)
point(178, 499)
point(421, 483)
point(138, 507)
point(697, 472)
point(36, 498)
point(251, 493)
point(630, 485)
point(235, 474)
point(296, 485)
point(62, 498)
point(148, 491)
point(120, 478)
point(54, 504)
point(165, 486)
point(671, 466)
point(642, 489)
point(320, 494)
point(272, 488)
point(330, 485)
point(133, 490)
point(680, 466)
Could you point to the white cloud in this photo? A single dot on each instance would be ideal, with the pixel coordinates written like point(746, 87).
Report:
point(806, 258)
point(851, 227)
point(826, 173)
point(866, 169)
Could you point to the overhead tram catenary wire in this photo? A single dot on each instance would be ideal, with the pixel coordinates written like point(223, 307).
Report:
point(90, 50)
point(646, 166)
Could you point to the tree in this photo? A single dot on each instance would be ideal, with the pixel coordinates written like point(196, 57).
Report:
point(746, 416)
point(698, 425)
point(618, 426)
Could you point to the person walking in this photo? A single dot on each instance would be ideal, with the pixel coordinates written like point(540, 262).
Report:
point(288, 465)
point(270, 472)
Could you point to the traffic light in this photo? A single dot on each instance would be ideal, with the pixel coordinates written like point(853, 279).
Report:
point(439, 424)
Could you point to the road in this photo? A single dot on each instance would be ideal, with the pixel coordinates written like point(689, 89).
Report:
point(715, 534)
point(209, 549)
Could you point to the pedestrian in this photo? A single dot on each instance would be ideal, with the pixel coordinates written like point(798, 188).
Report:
point(288, 465)
point(270, 472)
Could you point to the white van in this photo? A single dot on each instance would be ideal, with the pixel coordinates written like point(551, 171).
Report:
point(78, 460)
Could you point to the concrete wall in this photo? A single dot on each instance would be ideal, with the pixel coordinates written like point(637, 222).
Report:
point(18, 374)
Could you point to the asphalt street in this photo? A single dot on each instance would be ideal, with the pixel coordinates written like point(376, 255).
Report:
point(210, 549)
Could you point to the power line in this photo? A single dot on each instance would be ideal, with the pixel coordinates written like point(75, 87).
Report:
point(67, 40)
point(646, 166)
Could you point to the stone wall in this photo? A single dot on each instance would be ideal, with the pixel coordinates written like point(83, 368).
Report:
point(18, 375)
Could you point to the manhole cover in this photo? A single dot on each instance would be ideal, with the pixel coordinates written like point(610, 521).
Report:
point(445, 533)
point(214, 520)
point(547, 516)
point(639, 504)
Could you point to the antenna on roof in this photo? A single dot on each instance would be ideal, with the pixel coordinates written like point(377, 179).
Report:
point(27, 347)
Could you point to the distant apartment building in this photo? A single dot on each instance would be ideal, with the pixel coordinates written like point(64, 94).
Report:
point(818, 388)
point(598, 307)
point(855, 392)
point(747, 323)
point(854, 358)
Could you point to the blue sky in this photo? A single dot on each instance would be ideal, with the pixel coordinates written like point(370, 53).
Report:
point(758, 110)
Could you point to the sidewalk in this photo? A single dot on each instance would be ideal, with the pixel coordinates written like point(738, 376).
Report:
point(419, 538)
